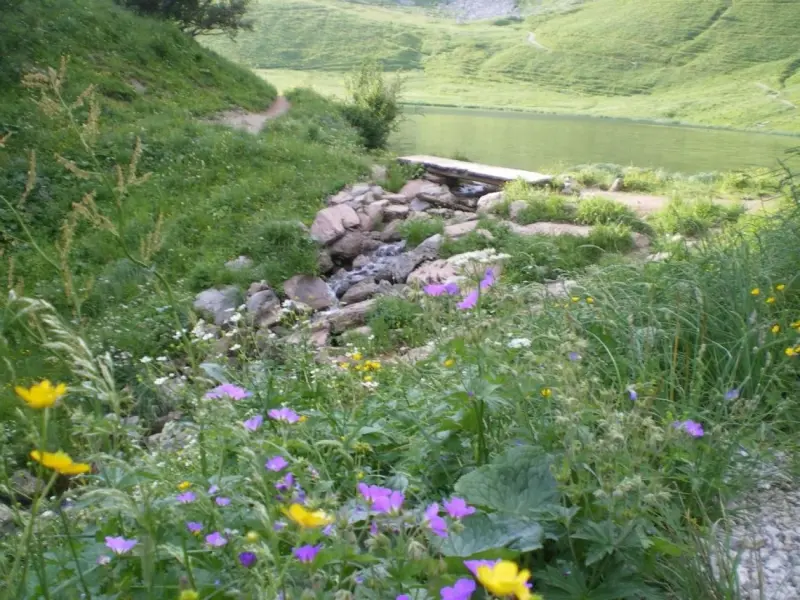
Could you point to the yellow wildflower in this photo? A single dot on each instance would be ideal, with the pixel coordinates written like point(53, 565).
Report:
point(790, 351)
point(42, 394)
point(505, 579)
point(449, 363)
point(755, 292)
point(344, 365)
point(184, 485)
point(360, 475)
point(302, 419)
point(367, 378)
point(775, 328)
point(357, 356)
point(252, 537)
point(795, 325)
point(189, 595)
point(589, 300)
point(307, 518)
point(770, 300)
point(60, 462)
point(546, 392)
point(575, 299)
point(780, 287)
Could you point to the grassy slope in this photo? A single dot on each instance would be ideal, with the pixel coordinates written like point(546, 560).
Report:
point(220, 192)
point(712, 62)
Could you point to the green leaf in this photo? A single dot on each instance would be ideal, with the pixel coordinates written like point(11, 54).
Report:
point(484, 532)
point(518, 483)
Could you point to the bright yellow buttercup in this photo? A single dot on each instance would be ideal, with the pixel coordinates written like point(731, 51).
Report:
point(307, 518)
point(41, 395)
point(60, 462)
point(505, 579)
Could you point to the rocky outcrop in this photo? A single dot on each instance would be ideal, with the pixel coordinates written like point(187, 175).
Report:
point(218, 305)
point(309, 290)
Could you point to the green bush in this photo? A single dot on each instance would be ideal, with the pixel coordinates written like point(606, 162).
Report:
point(397, 174)
point(613, 237)
point(416, 231)
point(395, 321)
point(373, 107)
point(693, 218)
point(541, 205)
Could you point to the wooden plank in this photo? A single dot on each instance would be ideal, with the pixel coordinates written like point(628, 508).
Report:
point(459, 169)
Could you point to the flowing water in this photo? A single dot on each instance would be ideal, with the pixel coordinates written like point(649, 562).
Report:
point(541, 142)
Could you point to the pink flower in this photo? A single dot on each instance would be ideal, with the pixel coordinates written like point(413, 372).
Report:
point(693, 428)
point(213, 489)
point(437, 524)
point(440, 289)
point(461, 590)
point(488, 279)
point(287, 415)
point(458, 508)
point(276, 463)
point(229, 390)
point(372, 492)
point(307, 554)
point(469, 301)
point(215, 540)
point(253, 423)
point(119, 545)
point(286, 483)
point(223, 501)
point(388, 504)
point(186, 497)
point(194, 527)
point(403, 597)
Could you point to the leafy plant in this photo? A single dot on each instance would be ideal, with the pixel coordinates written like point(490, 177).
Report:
point(416, 231)
point(197, 17)
point(373, 107)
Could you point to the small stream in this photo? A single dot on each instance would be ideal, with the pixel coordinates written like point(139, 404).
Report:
point(544, 142)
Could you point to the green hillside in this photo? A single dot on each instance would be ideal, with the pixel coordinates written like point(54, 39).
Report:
point(714, 62)
point(214, 193)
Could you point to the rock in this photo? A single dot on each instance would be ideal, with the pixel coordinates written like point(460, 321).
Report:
point(418, 205)
point(414, 187)
point(466, 203)
point(361, 200)
point(377, 192)
point(460, 216)
point(370, 243)
point(489, 202)
point(445, 200)
point(349, 246)
point(617, 185)
point(378, 173)
point(460, 229)
point(6, 518)
point(396, 198)
point(391, 233)
point(437, 271)
point(340, 198)
point(218, 304)
point(331, 223)
point(545, 228)
point(359, 189)
point(175, 435)
point(24, 486)
point(659, 257)
point(324, 262)
point(239, 264)
point(418, 216)
point(444, 213)
point(515, 208)
point(560, 289)
point(317, 337)
point(309, 290)
point(395, 211)
point(360, 261)
point(374, 212)
point(364, 331)
point(349, 316)
point(257, 286)
point(360, 291)
point(264, 308)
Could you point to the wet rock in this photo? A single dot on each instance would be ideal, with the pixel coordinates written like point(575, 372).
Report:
point(324, 262)
point(349, 246)
point(418, 205)
point(331, 223)
point(361, 260)
point(460, 229)
point(217, 304)
point(360, 291)
point(515, 208)
point(391, 233)
point(349, 316)
point(309, 290)
point(371, 243)
point(395, 211)
point(489, 202)
point(239, 264)
point(264, 308)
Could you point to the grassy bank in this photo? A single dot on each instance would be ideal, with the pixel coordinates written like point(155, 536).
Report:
point(713, 64)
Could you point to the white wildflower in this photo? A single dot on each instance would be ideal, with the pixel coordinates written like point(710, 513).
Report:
point(517, 343)
point(162, 359)
point(236, 347)
point(145, 359)
point(160, 380)
point(235, 318)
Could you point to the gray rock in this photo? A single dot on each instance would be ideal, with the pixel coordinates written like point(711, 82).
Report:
point(444, 213)
point(460, 216)
point(349, 246)
point(218, 304)
point(396, 198)
point(458, 230)
point(239, 264)
point(617, 185)
point(375, 212)
point(257, 286)
point(349, 316)
point(331, 223)
point(491, 201)
point(404, 264)
point(437, 271)
point(395, 211)
point(430, 246)
point(324, 262)
point(317, 337)
point(359, 189)
point(391, 233)
point(309, 290)
point(264, 308)
point(360, 291)
point(24, 485)
point(418, 205)
point(372, 243)
point(377, 191)
point(515, 208)
point(340, 198)
point(361, 260)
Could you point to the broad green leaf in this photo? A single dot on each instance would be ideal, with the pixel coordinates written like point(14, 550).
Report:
point(484, 532)
point(517, 483)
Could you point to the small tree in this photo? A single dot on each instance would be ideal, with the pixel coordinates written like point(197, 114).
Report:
point(373, 107)
point(197, 17)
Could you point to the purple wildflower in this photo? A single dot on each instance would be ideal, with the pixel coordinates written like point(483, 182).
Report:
point(693, 428)
point(440, 289)
point(732, 394)
point(437, 524)
point(307, 554)
point(372, 492)
point(229, 390)
point(458, 508)
point(329, 530)
point(247, 559)
point(632, 394)
point(119, 545)
point(286, 483)
point(469, 301)
point(216, 540)
point(488, 279)
point(373, 528)
point(287, 415)
point(461, 590)
point(451, 288)
point(403, 597)
point(278, 525)
point(574, 356)
point(388, 504)
point(253, 423)
point(213, 489)
point(194, 527)
point(186, 497)
point(276, 463)
point(473, 565)
point(221, 501)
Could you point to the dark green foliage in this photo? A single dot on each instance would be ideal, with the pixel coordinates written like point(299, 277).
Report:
point(374, 105)
point(196, 17)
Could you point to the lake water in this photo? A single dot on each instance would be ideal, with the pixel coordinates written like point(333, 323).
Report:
point(541, 142)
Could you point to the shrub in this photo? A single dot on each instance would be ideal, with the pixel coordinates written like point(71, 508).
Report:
point(197, 17)
point(614, 237)
point(416, 231)
point(693, 218)
point(374, 104)
point(542, 206)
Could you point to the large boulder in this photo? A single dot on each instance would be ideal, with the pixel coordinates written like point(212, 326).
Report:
point(360, 291)
point(489, 202)
point(264, 308)
point(374, 212)
point(349, 316)
point(331, 223)
point(395, 211)
point(348, 246)
point(218, 305)
point(515, 208)
point(324, 262)
point(458, 230)
point(309, 290)
point(391, 233)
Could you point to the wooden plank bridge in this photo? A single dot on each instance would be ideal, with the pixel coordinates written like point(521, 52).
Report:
point(459, 169)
